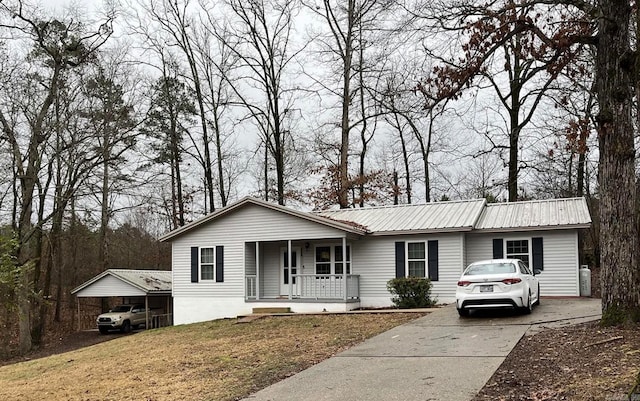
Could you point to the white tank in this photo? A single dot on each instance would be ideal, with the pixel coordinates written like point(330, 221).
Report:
point(585, 281)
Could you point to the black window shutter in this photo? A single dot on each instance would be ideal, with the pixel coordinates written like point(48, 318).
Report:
point(219, 264)
point(538, 254)
point(498, 251)
point(432, 261)
point(400, 259)
point(194, 264)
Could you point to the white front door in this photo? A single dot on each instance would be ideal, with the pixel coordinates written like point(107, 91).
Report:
point(284, 268)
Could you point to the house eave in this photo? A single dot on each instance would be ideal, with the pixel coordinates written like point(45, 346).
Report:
point(447, 230)
point(533, 228)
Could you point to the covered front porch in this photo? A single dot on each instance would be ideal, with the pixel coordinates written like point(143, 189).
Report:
point(320, 273)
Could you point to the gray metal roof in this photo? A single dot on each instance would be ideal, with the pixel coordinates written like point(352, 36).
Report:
point(428, 217)
point(538, 214)
point(148, 281)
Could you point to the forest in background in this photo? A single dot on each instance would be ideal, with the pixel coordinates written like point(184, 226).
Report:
point(125, 120)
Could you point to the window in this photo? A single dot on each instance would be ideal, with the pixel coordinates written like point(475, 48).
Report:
point(323, 260)
point(518, 249)
point(207, 263)
point(416, 258)
point(331, 260)
point(340, 259)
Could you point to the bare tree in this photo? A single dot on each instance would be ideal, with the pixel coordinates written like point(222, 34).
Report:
point(170, 109)
point(259, 36)
point(59, 46)
point(348, 25)
point(174, 20)
point(110, 116)
point(607, 26)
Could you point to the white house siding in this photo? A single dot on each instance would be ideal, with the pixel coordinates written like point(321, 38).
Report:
point(109, 285)
point(374, 261)
point(560, 250)
point(212, 300)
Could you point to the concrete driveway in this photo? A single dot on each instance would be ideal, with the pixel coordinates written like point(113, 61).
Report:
point(437, 357)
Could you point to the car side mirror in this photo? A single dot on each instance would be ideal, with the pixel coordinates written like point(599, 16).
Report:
point(536, 272)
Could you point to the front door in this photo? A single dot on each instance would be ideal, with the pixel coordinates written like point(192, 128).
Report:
point(284, 268)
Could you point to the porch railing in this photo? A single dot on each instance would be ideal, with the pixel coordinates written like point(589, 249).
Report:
point(314, 286)
point(250, 285)
point(326, 286)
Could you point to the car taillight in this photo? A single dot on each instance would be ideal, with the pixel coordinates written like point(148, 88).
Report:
point(511, 280)
point(463, 283)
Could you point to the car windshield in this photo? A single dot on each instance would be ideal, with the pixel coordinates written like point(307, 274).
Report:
point(490, 268)
point(121, 308)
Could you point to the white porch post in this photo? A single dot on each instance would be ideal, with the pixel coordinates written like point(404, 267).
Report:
point(146, 312)
point(78, 302)
point(257, 270)
point(289, 270)
point(344, 268)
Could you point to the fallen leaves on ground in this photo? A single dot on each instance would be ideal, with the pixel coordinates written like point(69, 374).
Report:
point(578, 363)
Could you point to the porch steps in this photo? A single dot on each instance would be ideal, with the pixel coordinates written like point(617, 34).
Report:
point(271, 310)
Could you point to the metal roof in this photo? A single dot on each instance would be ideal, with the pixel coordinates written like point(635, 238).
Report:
point(410, 219)
point(148, 281)
point(345, 226)
point(535, 215)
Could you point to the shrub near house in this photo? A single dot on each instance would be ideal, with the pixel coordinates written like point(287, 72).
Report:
point(411, 292)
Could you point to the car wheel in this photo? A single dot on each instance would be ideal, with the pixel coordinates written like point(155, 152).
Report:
point(538, 300)
point(529, 307)
point(126, 327)
point(463, 312)
point(103, 330)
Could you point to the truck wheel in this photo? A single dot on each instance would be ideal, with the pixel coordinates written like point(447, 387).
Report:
point(126, 327)
point(103, 330)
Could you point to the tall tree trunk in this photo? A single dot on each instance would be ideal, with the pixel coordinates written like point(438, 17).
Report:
point(514, 129)
point(405, 159)
point(582, 158)
point(224, 199)
point(266, 172)
point(396, 185)
point(347, 62)
point(617, 179)
point(103, 247)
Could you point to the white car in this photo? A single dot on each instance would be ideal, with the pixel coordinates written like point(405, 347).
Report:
point(498, 283)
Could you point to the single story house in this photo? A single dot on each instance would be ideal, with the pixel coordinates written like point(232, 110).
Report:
point(258, 254)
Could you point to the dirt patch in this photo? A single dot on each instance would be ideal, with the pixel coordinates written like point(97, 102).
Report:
point(64, 343)
point(582, 363)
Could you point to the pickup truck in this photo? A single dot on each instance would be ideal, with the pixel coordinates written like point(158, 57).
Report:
point(123, 318)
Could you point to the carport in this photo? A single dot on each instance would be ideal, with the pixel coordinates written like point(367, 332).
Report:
point(154, 286)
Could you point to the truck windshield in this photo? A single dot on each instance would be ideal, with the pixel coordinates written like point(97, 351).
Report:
point(121, 308)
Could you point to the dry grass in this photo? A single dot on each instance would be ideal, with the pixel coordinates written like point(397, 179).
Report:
point(217, 360)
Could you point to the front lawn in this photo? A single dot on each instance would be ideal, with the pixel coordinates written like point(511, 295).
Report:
point(218, 360)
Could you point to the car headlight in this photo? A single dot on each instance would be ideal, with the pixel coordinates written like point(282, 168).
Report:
point(116, 318)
